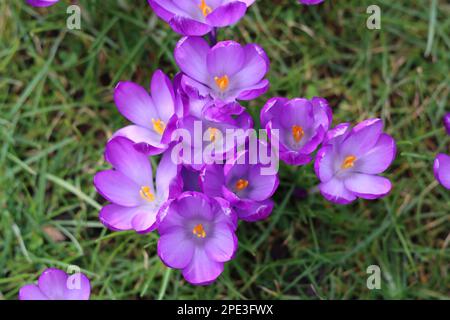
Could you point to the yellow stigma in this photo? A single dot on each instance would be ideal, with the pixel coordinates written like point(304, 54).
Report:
point(158, 126)
point(297, 133)
point(199, 231)
point(349, 162)
point(222, 82)
point(241, 184)
point(212, 134)
point(205, 8)
point(146, 194)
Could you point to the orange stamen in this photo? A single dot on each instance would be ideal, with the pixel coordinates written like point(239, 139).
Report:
point(212, 134)
point(349, 162)
point(222, 82)
point(199, 231)
point(159, 126)
point(205, 8)
point(297, 133)
point(241, 184)
point(147, 194)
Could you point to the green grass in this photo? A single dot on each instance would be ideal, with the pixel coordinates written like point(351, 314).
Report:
point(56, 113)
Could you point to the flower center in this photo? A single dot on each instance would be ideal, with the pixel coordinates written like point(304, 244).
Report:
point(241, 184)
point(158, 126)
point(147, 194)
point(199, 231)
point(297, 133)
point(205, 8)
point(212, 134)
point(222, 82)
point(348, 162)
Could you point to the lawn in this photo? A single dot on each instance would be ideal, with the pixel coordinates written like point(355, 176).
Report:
point(57, 112)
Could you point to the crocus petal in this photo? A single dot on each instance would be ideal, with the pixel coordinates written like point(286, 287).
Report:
point(168, 178)
point(310, 2)
point(271, 109)
point(222, 113)
point(226, 15)
point(202, 269)
point(379, 158)
point(337, 134)
point(212, 179)
point(298, 111)
point(222, 244)
point(225, 58)
point(31, 292)
point(194, 204)
point(122, 155)
point(255, 67)
point(163, 95)
point(41, 3)
point(189, 27)
point(224, 213)
point(118, 188)
point(294, 158)
point(247, 2)
point(323, 115)
point(324, 163)
point(446, 121)
point(362, 138)
point(442, 169)
point(53, 283)
point(255, 211)
point(147, 141)
point(134, 103)
point(262, 186)
point(118, 218)
point(335, 191)
point(145, 220)
point(164, 9)
point(191, 179)
point(195, 90)
point(190, 55)
point(255, 91)
point(77, 287)
point(314, 142)
point(367, 186)
point(168, 218)
point(175, 249)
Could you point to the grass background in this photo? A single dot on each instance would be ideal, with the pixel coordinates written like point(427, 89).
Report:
point(56, 113)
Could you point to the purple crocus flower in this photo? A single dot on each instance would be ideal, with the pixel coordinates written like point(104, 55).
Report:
point(246, 186)
point(154, 117)
point(350, 160)
point(442, 169)
point(446, 121)
point(41, 3)
point(207, 108)
point(198, 17)
point(129, 187)
point(54, 284)
point(197, 236)
point(310, 2)
point(200, 135)
point(301, 124)
point(225, 72)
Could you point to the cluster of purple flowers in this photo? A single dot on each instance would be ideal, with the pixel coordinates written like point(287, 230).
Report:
point(195, 205)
